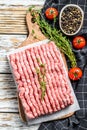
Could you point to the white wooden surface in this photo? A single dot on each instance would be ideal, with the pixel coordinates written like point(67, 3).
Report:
point(10, 40)
point(21, 2)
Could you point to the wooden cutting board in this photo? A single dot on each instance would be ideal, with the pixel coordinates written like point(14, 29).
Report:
point(35, 35)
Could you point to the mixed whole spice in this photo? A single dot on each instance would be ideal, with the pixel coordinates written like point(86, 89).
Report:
point(71, 19)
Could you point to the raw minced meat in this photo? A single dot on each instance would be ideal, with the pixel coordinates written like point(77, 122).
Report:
point(58, 92)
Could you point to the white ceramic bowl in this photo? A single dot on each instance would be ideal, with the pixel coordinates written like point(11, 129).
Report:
point(80, 26)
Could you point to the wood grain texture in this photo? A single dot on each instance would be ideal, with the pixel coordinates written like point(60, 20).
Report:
point(32, 37)
point(12, 20)
point(9, 115)
point(22, 2)
point(8, 95)
point(8, 43)
point(12, 121)
point(4, 67)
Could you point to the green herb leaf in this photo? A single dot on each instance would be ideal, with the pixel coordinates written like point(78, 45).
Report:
point(56, 35)
point(30, 8)
point(43, 88)
point(41, 77)
point(38, 60)
point(37, 70)
point(43, 84)
point(42, 65)
point(33, 31)
point(35, 37)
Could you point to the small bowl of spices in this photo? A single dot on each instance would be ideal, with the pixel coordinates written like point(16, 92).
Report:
point(71, 19)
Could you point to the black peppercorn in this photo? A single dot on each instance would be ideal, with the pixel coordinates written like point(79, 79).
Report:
point(71, 19)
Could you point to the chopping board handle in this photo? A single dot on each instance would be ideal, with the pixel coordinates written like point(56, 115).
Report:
point(30, 25)
point(30, 39)
point(35, 34)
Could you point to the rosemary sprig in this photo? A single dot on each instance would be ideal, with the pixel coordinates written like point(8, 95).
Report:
point(41, 72)
point(43, 89)
point(61, 42)
point(55, 35)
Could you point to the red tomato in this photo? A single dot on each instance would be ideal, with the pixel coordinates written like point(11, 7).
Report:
point(75, 73)
point(79, 42)
point(51, 13)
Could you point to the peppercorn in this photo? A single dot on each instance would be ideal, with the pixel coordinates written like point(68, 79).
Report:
point(71, 19)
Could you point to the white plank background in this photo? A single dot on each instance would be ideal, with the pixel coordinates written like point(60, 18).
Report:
point(12, 22)
point(12, 121)
point(9, 113)
point(8, 43)
point(22, 2)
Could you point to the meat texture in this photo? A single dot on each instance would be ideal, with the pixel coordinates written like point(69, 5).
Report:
point(30, 67)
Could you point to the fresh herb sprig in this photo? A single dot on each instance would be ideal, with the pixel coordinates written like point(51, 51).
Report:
point(55, 35)
point(61, 41)
point(41, 72)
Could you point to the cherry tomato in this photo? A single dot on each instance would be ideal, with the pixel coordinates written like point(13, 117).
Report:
point(79, 42)
point(51, 13)
point(75, 73)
